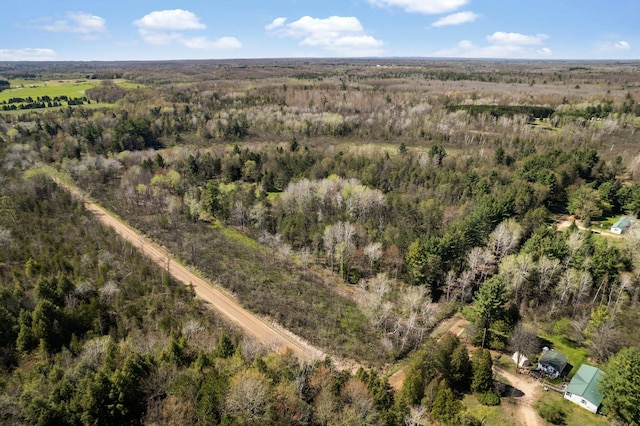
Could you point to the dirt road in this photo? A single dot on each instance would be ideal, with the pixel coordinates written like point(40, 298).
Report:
point(526, 414)
point(271, 335)
point(566, 222)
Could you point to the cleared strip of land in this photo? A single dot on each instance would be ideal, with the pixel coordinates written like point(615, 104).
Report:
point(269, 334)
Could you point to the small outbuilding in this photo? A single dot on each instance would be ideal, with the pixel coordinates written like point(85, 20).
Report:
point(553, 364)
point(521, 360)
point(584, 388)
point(621, 225)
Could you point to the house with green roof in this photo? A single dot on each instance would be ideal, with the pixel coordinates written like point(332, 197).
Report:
point(584, 388)
point(621, 225)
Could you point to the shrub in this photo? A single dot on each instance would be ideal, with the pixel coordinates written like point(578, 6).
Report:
point(488, 398)
point(552, 414)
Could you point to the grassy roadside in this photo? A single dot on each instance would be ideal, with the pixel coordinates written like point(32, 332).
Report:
point(261, 281)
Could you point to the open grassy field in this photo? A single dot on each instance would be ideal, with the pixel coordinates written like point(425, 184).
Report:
point(34, 89)
point(51, 88)
point(502, 415)
point(570, 412)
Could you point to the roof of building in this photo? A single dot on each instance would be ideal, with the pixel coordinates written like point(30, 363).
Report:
point(555, 359)
point(521, 360)
point(622, 223)
point(585, 384)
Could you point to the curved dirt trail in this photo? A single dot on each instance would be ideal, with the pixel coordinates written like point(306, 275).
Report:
point(566, 222)
point(271, 335)
point(527, 415)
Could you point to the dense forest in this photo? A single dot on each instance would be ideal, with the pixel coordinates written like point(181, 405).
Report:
point(356, 203)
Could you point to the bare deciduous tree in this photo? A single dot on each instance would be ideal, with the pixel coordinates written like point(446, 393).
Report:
point(339, 242)
point(285, 251)
point(239, 214)
point(356, 395)
point(465, 283)
point(248, 396)
point(373, 252)
point(547, 274)
point(605, 341)
point(524, 341)
point(517, 270)
point(450, 285)
point(108, 292)
point(505, 238)
point(481, 262)
point(270, 240)
point(192, 328)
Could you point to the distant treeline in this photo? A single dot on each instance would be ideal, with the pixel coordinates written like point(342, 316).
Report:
point(105, 75)
point(4, 84)
point(14, 104)
point(508, 110)
point(109, 93)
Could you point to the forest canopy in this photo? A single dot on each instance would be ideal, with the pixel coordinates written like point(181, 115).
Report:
point(356, 204)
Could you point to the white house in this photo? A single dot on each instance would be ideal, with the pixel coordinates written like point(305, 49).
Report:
point(621, 225)
point(583, 388)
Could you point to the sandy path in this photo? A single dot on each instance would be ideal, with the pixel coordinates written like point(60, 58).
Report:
point(269, 334)
point(526, 414)
point(566, 222)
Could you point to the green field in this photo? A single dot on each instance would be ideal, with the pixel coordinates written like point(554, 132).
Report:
point(572, 413)
point(35, 89)
point(498, 415)
point(54, 88)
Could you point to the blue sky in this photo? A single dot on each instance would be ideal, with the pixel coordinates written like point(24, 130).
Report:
point(221, 29)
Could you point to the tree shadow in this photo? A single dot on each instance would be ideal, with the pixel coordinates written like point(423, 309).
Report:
point(504, 390)
point(545, 342)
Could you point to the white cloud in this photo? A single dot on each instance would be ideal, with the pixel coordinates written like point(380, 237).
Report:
point(466, 44)
point(427, 7)
point(503, 45)
point(164, 27)
point(277, 23)
point(28, 54)
point(159, 38)
point(515, 39)
point(78, 22)
point(456, 19)
point(170, 20)
point(334, 25)
point(618, 46)
point(88, 25)
point(223, 43)
point(342, 35)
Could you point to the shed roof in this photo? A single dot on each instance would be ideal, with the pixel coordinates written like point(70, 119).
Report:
point(555, 359)
point(585, 383)
point(622, 223)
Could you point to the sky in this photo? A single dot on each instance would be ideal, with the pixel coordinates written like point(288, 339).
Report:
point(101, 30)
